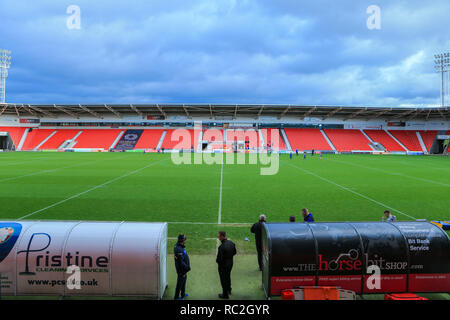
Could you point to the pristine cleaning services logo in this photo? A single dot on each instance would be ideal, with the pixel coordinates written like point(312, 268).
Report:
point(9, 233)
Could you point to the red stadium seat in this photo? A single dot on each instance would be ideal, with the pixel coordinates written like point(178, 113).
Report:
point(149, 139)
point(96, 138)
point(307, 139)
point(268, 135)
point(428, 138)
point(35, 137)
point(408, 138)
point(58, 138)
point(16, 133)
point(345, 140)
point(385, 139)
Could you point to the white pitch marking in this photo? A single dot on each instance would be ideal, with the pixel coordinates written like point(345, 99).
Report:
point(219, 219)
point(89, 190)
point(354, 192)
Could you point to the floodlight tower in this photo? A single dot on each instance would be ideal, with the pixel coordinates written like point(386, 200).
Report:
point(442, 65)
point(5, 62)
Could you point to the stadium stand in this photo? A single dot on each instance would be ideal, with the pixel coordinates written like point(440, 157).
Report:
point(244, 135)
point(58, 138)
point(35, 137)
point(428, 138)
point(307, 139)
point(348, 140)
point(408, 138)
point(173, 138)
point(386, 140)
point(268, 134)
point(149, 139)
point(96, 138)
point(16, 133)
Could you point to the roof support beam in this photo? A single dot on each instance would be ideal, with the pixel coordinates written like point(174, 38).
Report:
point(414, 115)
point(235, 111)
point(30, 111)
point(70, 113)
point(161, 110)
point(442, 115)
point(330, 114)
point(307, 113)
point(260, 111)
point(17, 111)
point(284, 112)
point(379, 114)
point(95, 114)
point(113, 111)
point(404, 114)
point(355, 114)
point(186, 111)
point(3, 110)
point(47, 113)
point(136, 110)
point(210, 112)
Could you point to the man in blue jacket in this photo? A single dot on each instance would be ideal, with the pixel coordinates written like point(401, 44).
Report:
point(182, 265)
point(307, 216)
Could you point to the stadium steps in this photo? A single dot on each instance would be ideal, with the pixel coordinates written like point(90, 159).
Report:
point(56, 140)
point(408, 138)
point(328, 140)
point(383, 138)
point(249, 135)
point(286, 140)
point(199, 141)
point(161, 140)
point(307, 139)
point(267, 136)
point(22, 140)
point(261, 139)
point(396, 140)
point(44, 141)
point(375, 146)
point(113, 145)
point(428, 138)
point(348, 140)
point(35, 137)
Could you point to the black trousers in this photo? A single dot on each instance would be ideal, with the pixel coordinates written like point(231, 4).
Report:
point(260, 262)
point(225, 279)
point(181, 286)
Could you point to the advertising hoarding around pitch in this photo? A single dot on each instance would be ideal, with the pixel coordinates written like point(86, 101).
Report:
point(103, 258)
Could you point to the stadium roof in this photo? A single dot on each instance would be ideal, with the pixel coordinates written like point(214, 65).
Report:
point(226, 111)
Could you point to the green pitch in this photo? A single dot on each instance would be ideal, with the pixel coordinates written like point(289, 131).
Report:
point(199, 200)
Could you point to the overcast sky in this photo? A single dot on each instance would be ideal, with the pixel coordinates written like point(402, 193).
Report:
point(226, 51)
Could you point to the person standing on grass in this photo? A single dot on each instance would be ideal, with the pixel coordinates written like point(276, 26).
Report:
point(307, 216)
point(257, 230)
point(388, 217)
point(183, 266)
point(225, 254)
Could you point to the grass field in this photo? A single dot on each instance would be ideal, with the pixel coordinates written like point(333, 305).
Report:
point(199, 200)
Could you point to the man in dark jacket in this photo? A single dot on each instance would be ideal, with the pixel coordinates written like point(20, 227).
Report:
point(257, 229)
point(225, 254)
point(182, 265)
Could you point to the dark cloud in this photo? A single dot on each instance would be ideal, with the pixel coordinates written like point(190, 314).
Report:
point(234, 51)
